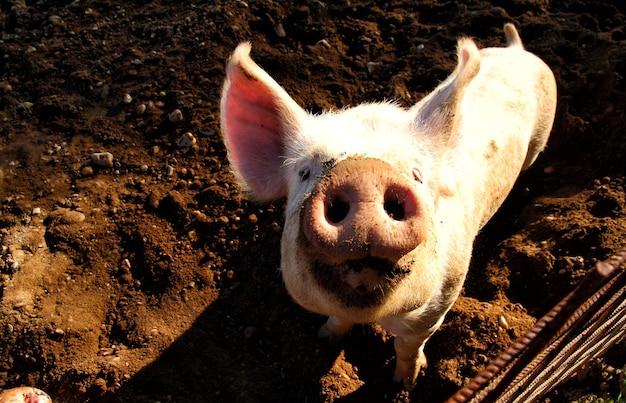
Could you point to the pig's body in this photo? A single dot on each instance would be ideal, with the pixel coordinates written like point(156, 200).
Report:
point(384, 203)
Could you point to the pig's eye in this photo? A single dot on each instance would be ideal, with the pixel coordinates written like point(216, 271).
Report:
point(304, 174)
point(417, 175)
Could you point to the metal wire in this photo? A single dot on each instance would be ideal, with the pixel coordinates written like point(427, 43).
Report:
point(585, 324)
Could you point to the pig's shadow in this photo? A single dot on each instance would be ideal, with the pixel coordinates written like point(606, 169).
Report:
point(251, 344)
point(274, 356)
point(211, 363)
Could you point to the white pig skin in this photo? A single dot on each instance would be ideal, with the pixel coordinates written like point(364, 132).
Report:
point(454, 156)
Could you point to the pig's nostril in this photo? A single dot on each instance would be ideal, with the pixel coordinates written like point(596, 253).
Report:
point(337, 210)
point(394, 208)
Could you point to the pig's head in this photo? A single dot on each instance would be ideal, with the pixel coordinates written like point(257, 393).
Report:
point(363, 186)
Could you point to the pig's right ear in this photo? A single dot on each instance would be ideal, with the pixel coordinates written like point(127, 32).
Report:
point(438, 112)
point(257, 119)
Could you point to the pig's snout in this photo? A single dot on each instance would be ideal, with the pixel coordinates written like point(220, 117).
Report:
point(364, 207)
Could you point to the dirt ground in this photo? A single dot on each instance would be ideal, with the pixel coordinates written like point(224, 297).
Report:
point(155, 279)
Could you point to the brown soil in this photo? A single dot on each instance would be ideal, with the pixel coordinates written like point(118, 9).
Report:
point(156, 280)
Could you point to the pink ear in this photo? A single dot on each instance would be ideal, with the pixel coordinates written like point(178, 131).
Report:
point(257, 117)
point(437, 112)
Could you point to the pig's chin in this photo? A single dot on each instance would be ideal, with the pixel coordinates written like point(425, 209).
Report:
point(359, 283)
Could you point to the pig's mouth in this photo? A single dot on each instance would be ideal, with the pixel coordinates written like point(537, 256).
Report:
point(360, 283)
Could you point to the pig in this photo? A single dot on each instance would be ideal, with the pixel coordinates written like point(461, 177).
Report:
point(382, 202)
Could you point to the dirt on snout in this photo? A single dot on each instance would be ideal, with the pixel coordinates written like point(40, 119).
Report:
point(151, 277)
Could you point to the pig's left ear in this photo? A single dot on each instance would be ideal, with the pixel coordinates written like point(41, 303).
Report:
point(437, 113)
point(257, 117)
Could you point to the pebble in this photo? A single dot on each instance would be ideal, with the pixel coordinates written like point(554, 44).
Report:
point(36, 211)
point(141, 108)
point(169, 170)
point(498, 11)
point(67, 216)
point(86, 171)
point(144, 168)
point(324, 43)
point(102, 159)
point(175, 116)
point(127, 98)
point(279, 30)
point(13, 266)
point(503, 322)
point(186, 140)
point(55, 19)
point(25, 106)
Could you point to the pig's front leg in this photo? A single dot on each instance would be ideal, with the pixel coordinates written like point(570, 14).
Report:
point(410, 359)
point(409, 345)
point(335, 329)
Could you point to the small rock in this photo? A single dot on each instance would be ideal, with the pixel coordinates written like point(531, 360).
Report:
point(55, 19)
point(86, 171)
point(169, 170)
point(143, 168)
point(24, 106)
point(13, 266)
point(66, 216)
point(503, 322)
point(186, 140)
point(127, 98)
point(324, 43)
point(36, 211)
point(102, 159)
point(253, 218)
point(141, 108)
point(175, 116)
point(126, 264)
point(100, 385)
point(279, 30)
point(498, 11)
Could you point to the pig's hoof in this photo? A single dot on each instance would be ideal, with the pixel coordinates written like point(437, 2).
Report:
point(407, 371)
